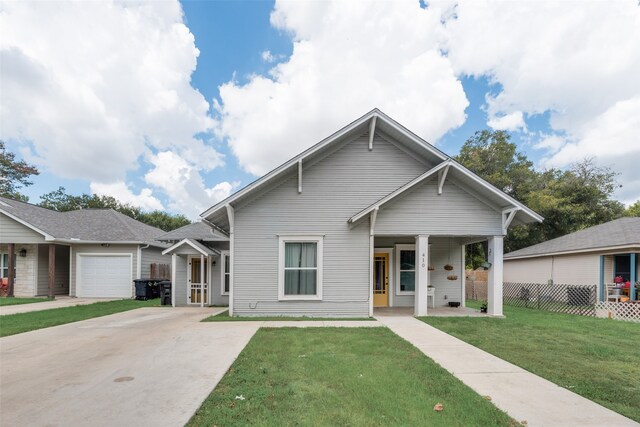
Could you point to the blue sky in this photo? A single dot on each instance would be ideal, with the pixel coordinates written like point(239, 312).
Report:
point(143, 117)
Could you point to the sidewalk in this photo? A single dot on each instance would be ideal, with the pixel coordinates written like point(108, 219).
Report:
point(59, 302)
point(523, 395)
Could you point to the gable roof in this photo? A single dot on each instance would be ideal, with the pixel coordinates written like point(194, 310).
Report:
point(382, 122)
point(195, 245)
point(196, 231)
point(84, 225)
point(620, 233)
point(377, 120)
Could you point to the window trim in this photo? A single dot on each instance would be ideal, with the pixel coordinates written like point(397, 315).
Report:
point(223, 256)
point(4, 266)
point(403, 247)
point(318, 240)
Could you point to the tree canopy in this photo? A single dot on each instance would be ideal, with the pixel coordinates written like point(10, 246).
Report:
point(14, 174)
point(569, 200)
point(59, 200)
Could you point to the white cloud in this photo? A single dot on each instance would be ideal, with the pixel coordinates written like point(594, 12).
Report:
point(121, 191)
point(97, 86)
point(267, 56)
point(348, 57)
point(512, 121)
point(178, 178)
point(578, 60)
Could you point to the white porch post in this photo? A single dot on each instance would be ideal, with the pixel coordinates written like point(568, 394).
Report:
point(422, 278)
point(494, 291)
point(201, 280)
point(174, 261)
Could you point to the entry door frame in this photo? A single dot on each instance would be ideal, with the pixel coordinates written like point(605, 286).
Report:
point(207, 282)
point(391, 287)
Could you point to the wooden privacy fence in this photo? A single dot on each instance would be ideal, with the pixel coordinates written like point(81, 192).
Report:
point(160, 271)
point(476, 290)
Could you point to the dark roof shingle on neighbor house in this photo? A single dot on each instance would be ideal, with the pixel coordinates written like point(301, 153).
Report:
point(622, 232)
point(196, 231)
point(93, 225)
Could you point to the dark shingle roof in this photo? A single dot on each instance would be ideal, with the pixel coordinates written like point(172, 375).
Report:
point(100, 225)
point(196, 231)
point(619, 232)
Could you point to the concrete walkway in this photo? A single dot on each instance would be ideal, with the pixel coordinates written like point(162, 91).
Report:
point(59, 302)
point(523, 395)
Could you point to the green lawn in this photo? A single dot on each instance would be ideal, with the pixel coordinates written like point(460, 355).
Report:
point(596, 358)
point(16, 301)
point(340, 376)
point(224, 317)
point(12, 324)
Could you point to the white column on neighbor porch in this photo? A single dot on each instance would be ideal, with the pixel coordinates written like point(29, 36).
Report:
point(201, 280)
point(422, 278)
point(494, 281)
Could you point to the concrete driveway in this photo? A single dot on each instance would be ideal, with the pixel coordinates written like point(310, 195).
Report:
point(146, 367)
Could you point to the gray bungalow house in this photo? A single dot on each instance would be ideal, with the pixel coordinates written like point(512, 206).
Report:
point(372, 216)
point(86, 253)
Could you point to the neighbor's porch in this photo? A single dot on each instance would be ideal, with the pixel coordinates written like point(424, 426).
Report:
point(619, 277)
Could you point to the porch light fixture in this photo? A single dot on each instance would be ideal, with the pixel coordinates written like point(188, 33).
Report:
point(23, 253)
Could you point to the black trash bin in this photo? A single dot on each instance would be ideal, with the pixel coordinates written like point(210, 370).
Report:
point(165, 292)
point(143, 291)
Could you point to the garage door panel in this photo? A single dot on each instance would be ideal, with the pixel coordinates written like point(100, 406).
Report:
point(102, 276)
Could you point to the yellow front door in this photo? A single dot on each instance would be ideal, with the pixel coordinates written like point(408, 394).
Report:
point(196, 296)
point(381, 280)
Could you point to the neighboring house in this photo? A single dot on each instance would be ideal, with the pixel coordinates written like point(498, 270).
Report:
point(95, 252)
point(592, 256)
point(206, 253)
point(352, 223)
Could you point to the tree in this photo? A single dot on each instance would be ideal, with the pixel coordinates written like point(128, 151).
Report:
point(569, 200)
point(633, 210)
point(14, 174)
point(59, 200)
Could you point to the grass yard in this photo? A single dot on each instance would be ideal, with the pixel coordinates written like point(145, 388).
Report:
point(340, 376)
point(12, 324)
point(17, 301)
point(224, 317)
point(596, 358)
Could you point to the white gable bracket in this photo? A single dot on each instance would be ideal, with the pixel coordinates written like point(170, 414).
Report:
point(442, 175)
point(372, 131)
point(507, 217)
point(299, 176)
point(372, 221)
point(230, 213)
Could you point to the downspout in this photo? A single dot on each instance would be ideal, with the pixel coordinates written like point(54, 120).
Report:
point(139, 262)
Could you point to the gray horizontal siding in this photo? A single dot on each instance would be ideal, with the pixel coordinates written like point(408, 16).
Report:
point(334, 189)
point(12, 231)
point(455, 212)
point(150, 256)
point(216, 282)
point(180, 283)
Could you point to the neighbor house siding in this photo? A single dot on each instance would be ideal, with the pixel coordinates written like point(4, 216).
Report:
point(578, 269)
point(99, 249)
point(333, 190)
point(181, 284)
point(216, 282)
point(12, 231)
point(61, 282)
point(423, 211)
point(150, 256)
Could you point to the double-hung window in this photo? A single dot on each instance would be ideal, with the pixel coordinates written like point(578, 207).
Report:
point(226, 273)
point(300, 269)
point(406, 267)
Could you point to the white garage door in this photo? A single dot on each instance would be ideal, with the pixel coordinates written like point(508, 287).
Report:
point(104, 276)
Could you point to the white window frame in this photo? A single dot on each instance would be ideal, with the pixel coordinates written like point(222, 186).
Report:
point(6, 267)
point(318, 240)
point(406, 247)
point(224, 255)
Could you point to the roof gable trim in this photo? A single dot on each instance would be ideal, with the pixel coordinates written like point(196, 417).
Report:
point(47, 236)
point(195, 245)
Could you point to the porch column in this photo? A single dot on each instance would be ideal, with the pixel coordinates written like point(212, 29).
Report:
point(633, 275)
point(52, 269)
point(602, 297)
point(12, 265)
point(494, 291)
point(201, 280)
point(422, 278)
point(174, 259)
